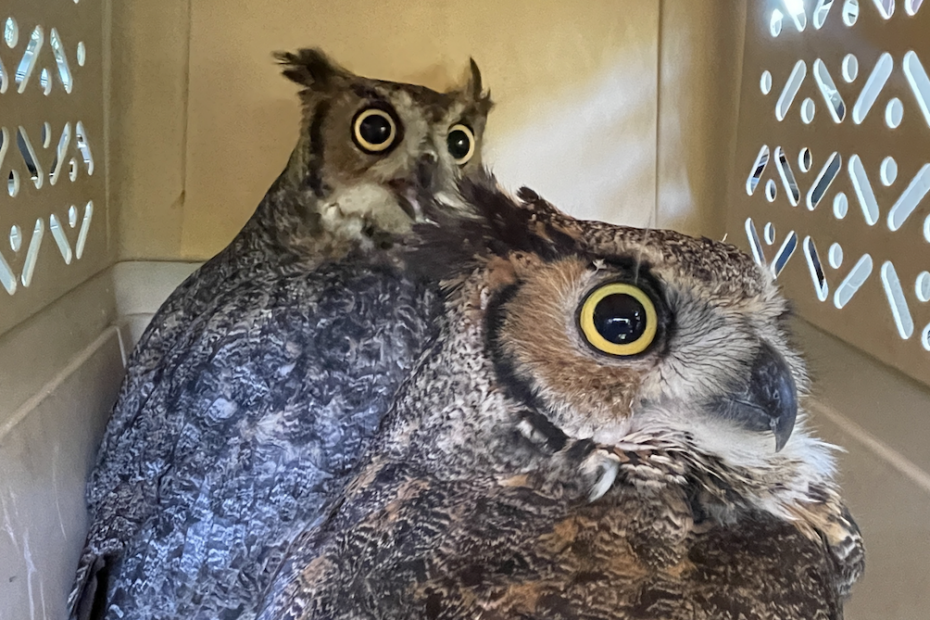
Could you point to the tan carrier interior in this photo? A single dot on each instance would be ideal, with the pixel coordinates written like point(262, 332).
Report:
point(138, 136)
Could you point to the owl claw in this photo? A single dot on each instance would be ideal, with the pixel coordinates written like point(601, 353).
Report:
point(599, 465)
point(603, 466)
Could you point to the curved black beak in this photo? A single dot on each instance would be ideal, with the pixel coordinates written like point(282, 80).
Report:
point(412, 192)
point(769, 400)
point(426, 170)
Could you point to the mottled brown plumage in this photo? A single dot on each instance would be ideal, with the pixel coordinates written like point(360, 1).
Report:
point(524, 473)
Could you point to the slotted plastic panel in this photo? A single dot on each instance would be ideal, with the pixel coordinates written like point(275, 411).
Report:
point(53, 232)
point(833, 151)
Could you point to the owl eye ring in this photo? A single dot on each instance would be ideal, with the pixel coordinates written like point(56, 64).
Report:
point(461, 143)
point(618, 319)
point(374, 130)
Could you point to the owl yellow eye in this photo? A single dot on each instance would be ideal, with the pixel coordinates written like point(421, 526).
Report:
point(374, 130)
point(461, 143)
point(618, 319)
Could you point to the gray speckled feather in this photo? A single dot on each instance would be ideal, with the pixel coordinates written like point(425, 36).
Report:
point(262, 377)
point(235, 428)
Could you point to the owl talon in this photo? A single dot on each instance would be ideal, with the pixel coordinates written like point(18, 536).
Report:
point(599, 465)
point(603, 466)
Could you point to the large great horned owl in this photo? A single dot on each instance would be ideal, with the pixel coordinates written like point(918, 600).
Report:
point(260, 379)
point(607, 427)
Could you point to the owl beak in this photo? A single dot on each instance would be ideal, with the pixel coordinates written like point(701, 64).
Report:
point(418, 188)
point(412, 190)
point(769, 401)
point(426, 170)
point(408, 199)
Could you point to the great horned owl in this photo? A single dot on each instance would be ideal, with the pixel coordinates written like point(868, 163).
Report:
point(607, 427)
point(260, 379)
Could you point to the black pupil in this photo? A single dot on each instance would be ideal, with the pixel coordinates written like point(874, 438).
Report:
point(375, 129)
point(620, 318)
point(459, 144)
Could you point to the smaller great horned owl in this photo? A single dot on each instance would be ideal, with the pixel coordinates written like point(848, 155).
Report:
point(607, 428)
point(261, 378)
point(364, 142)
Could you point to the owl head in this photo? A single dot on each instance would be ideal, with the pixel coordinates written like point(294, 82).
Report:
point(672, 351)
point(365, 144)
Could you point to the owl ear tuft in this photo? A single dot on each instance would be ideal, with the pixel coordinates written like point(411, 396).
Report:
point(473, 88)
point(310, 67)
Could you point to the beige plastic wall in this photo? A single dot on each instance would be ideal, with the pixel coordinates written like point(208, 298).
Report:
point(205, 122)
